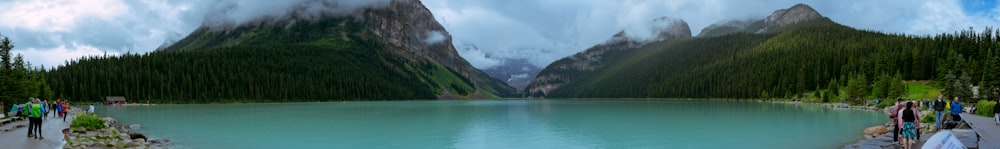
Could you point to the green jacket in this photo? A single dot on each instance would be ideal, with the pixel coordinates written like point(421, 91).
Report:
point(35, 110)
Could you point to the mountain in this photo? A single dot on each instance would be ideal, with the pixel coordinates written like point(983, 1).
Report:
point(792, 52)
point(518, 73)
point(388, 51)
point(581, 66)
point(778, 20)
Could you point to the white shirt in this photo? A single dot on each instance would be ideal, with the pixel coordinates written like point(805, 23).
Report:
point(91, 109)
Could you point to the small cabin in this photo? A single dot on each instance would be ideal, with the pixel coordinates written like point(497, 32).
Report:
point(115, 100)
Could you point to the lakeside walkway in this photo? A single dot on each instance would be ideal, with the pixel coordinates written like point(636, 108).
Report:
point(989, 132)
point(51, 130)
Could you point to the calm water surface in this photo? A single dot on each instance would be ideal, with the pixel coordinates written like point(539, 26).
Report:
point(611, 123)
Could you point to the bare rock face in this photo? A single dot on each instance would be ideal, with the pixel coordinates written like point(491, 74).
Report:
point(572, 68)
point(775, 22)
point(797, 13)
point(411, 29)
point(675, 28)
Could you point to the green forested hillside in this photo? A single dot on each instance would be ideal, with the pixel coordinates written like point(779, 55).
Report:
point(332, 59)
point(807, 57)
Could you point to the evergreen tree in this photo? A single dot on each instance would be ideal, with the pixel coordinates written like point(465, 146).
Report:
point(857, 88)
point(896, 87)
point(990, 88)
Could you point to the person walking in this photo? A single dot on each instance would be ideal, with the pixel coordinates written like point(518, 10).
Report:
point(28, 107)
point(908, 117)
point(996, 112)
point(893, 115)
point(34, 111)
point(939, 111)
point(45, 108)
point(65, 107)
point(956, 110)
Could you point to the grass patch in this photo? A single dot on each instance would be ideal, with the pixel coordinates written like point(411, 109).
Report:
point(921, 90)
point(886, 103)
point(89, 121)
point(929, 118)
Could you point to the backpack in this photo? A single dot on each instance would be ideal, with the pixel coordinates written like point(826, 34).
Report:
point(894, 111)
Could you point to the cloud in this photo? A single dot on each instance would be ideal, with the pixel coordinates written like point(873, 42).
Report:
point(243, 11)
point(61, 54)
point(40, 27)
point(434, 37)
point(477, 57)
point(57, 15)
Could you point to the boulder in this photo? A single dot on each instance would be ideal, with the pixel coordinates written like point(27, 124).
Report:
point(125, 136)
point(138, 142)
point(875, 130)
point(136, 135)
point(879, 130)
point(109, 121)
point(869, 130)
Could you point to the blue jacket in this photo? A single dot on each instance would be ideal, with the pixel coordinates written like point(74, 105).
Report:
point(956, 108)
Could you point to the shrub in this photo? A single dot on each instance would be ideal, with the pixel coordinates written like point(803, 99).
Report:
point(929, 118)
point(985, 108)
point(886, 103)
point(89, 121)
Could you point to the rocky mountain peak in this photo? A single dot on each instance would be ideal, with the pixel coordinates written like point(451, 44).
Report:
point(777, 21)
point(794, 14)
point(672, 28)
point(660, 29)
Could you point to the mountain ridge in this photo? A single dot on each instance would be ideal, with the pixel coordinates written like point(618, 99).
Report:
point(597, 57)
point(389, 52)
point(777, 21)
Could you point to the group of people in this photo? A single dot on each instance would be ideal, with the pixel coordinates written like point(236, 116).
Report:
point(906, 117)
point(35, 110)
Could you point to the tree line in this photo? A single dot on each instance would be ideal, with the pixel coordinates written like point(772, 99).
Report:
point(18, 80)
point(833, 60)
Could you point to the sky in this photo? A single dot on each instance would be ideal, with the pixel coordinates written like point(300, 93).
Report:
point(50, 32)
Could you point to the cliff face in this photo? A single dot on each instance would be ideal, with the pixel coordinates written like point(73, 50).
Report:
point(777, 21)
point(581, 65)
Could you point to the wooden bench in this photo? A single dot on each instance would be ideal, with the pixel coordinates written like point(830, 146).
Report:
point(6, 121)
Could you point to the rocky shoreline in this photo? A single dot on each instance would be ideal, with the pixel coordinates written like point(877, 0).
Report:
point(115, 135)
point(879, 136)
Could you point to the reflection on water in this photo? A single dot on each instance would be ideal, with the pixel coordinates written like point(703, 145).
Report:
point(501, 124)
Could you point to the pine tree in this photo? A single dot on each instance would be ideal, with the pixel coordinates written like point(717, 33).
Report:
point(857, 88)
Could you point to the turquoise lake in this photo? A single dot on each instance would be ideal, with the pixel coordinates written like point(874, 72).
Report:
point(544, 124)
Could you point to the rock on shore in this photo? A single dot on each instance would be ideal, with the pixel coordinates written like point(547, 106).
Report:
point(115, 136)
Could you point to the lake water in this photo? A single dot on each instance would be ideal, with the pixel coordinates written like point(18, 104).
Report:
point(611, 123)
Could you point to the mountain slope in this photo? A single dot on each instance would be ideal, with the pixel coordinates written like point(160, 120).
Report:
point(395, 51)
point(583, 65)
point(788, 59)
point(516, 72)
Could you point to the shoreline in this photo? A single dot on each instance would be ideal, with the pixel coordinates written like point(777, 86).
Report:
point(877, 136)
point(114, 135)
